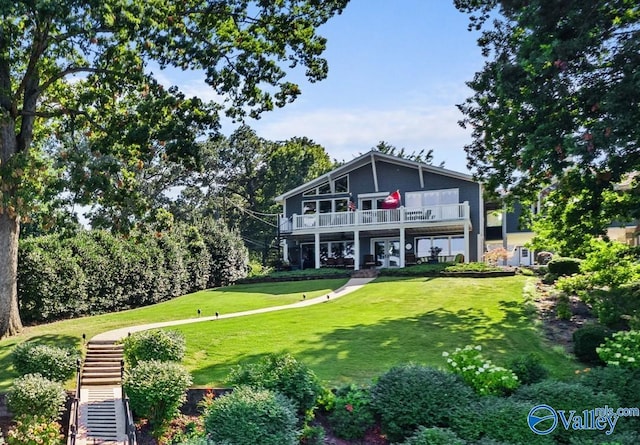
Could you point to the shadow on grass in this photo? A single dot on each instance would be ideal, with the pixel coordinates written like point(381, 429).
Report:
point(362, 352)
point(7, 373)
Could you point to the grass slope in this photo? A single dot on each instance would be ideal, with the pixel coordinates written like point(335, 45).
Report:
point(224, 300)
point(390, 321)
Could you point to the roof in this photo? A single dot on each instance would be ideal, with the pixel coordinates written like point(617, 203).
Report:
point(367, 159)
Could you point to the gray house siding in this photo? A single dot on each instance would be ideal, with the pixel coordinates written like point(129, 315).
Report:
point(388, 175)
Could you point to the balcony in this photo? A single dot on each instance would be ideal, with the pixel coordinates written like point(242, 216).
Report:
point(375, 219)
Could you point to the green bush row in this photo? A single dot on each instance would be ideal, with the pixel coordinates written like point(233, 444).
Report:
point(97, 272)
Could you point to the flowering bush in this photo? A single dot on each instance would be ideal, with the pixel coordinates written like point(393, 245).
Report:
point(479, 373)
point(494, 256)
point(621, 349)
point(352, 414)
point(34, 430)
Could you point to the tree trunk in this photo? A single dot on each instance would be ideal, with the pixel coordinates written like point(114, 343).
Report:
point(10, 323)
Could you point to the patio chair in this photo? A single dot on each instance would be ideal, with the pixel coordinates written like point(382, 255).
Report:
point(410, 259)
point(369, 261)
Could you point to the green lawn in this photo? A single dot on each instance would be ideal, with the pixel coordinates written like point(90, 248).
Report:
point(389, 321)
point(224, 300)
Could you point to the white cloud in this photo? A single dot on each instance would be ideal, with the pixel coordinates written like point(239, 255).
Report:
point(347, 132)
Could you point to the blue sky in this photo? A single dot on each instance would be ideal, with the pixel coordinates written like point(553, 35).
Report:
point(397, 68)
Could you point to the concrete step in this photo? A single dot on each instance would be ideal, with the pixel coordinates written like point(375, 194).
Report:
point(101, 381)
point(101, 373)
point(102, 363)
point(365, 273)
point(106, 357)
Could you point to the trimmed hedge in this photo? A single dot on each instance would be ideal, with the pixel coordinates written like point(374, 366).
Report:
point(585, 341)
point(97, 272)
point(564, 266)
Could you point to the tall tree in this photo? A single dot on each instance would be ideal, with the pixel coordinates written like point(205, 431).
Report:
point(424, 156)
point(243, 174)
point(558, 99)
point(243, 48)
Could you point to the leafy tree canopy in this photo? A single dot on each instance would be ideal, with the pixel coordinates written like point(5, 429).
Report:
point(557, 102)
point(74, 76)
point(424, 156)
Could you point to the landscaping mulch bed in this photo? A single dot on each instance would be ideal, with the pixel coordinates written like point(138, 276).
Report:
point(557, 330)
point(190, 415)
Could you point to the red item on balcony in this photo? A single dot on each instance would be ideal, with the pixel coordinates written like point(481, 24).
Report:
point(392, 201)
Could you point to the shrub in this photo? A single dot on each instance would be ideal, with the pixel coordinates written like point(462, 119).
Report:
point(528, 368)
point(611, 264)
point(163, 346)
point(495, 419)
point(33, 394)
point(616, 306)
point(34, 430)
point(549, 278)
point(621, 349)
point(352, 414)
point(408, 396)
point(562, 395)
point(480, 373)
point(312, 435)
point(563, 307)
point(499, 254)
point(618, 438)
point(156, 390)
point(567, 396)
point(282, 373)
point(433, 436)
point(564, 266)
point(472, 267)
point(585, 341)
point(248, 416)
point(52, 362)
point(623, 382)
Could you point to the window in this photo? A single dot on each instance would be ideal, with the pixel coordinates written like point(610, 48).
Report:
point(430, 198)
point(331, 249)
point(494, 218)
point(372, 201)
point(451, 245)
point(325, 206)
point(341, 205)
point(342, 184)
point(309, 207)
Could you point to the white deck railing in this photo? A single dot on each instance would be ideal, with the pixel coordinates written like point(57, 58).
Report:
point(370, 218)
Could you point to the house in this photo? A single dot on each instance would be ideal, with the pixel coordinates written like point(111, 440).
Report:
point(382, 211)
point(503, 229)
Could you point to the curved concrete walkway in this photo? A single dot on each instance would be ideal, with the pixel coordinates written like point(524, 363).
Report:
point(352, 285)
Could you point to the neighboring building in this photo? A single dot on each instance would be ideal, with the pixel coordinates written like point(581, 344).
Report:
point(352, 216)
point(503, 229)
